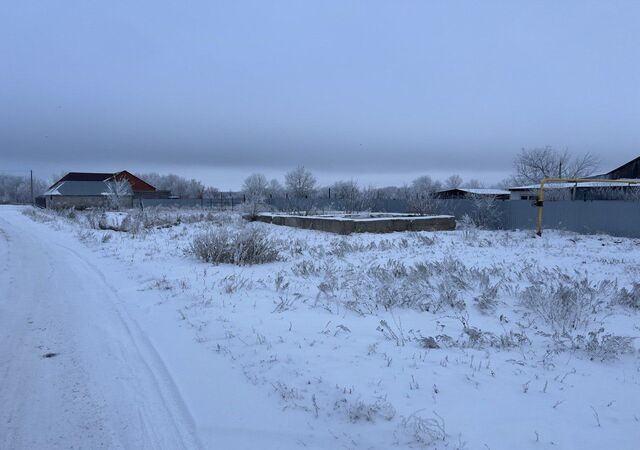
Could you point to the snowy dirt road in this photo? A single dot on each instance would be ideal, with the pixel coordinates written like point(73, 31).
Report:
point(75, 369)
point(89, 359)
point(151, 348)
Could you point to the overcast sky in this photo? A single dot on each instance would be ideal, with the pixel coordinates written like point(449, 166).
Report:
point(377, 91)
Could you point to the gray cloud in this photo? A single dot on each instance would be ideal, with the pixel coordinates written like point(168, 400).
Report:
point(382, 89)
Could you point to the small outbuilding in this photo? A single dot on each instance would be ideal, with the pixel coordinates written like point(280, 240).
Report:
point(461, 193)
point(584, 190)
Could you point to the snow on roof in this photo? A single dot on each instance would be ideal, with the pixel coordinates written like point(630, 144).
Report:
point(478, 191)
point(582, 184)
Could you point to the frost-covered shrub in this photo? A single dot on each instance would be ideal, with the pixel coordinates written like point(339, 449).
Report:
point(630, 297)
point(449, 296)
point(344, 246)
point(425, 286)
point(509, 340)
point(472, 337)
point(393, 333)
point(486, 212)
point(134, 222)
point(94, 218)
point(607, 346)
point(487, 300)
point(233, 283)
point(242, 246)
point(365, 411)
point(390, 296)
point(85, 236)
point(306, 268)
point(67, 213)
point(423, 432)
point(391, 270)
point(566, 303)
point(469, 229)
point(597, 344)
point(423, 239)
point(37, 215)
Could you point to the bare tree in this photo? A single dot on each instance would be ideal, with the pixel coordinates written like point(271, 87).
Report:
point(486, 211)
point(117, 191)
point(210, 192)
point(424, 203)
point(425, 185)
point(300, 182)
point(300, 185)
point(474, 184)
point(532, 165)
point(504, 184)
point(348, 197)
point(179, 186)
point(453, 182)
point(255, 188)
point(17, 189)
point(422, 199)
point(275, 189)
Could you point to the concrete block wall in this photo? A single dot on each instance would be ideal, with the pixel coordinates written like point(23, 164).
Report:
point(347, 226)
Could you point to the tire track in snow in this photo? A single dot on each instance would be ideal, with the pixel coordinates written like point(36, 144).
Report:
point(163, 382)
point(108, 387)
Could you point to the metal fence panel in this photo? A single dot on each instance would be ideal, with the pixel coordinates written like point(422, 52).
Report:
point(614, 217)
point(224, 203)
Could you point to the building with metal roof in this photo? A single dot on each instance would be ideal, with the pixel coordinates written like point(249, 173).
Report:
point(90, 189)
point(498, 194)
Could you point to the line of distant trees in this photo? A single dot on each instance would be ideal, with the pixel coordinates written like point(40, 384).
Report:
point(300, 185)
point(17, 188)
point(300, 188)
point(179, 186)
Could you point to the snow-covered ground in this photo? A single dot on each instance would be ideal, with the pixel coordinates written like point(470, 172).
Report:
point(467, 339)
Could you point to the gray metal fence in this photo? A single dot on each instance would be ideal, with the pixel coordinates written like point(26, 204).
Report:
point(219, 203)
point(614, 217)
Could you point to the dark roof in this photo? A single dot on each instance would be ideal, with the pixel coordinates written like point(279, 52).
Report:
point(136, 183)
point(630, 169)
point(477, 191)
point(86, 176)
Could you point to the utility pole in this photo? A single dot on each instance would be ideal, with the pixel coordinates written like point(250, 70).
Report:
point(31, 177)
point(560, 170)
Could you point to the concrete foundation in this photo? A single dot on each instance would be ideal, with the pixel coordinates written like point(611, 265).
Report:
point(370, 223)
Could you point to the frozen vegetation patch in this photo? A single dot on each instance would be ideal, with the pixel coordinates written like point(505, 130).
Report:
point(566, 303)
point(245, 245)
point(384, 339)
point(426, 286)
point(630, 297)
